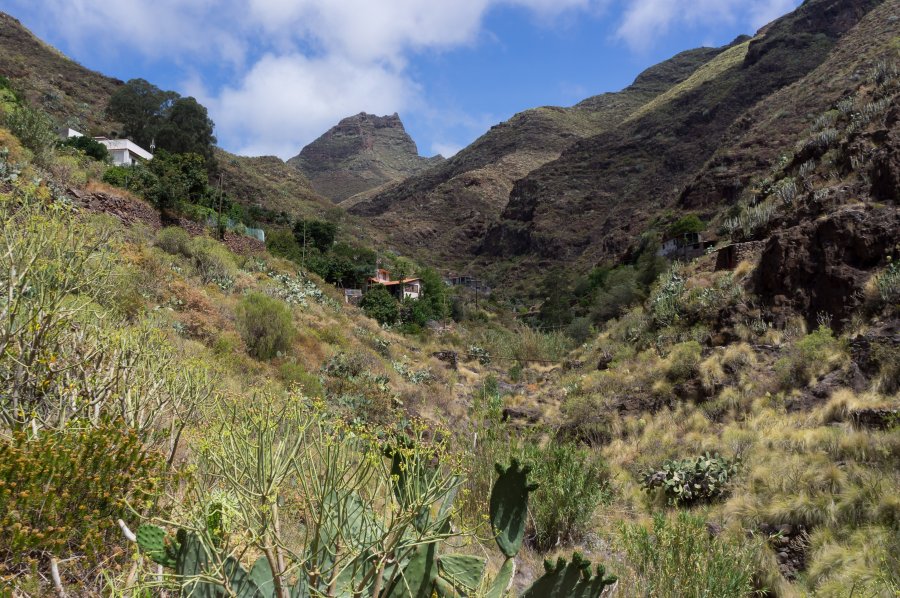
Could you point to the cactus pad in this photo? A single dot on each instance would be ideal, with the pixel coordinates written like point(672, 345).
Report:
point(509, 506)
point(573, 580)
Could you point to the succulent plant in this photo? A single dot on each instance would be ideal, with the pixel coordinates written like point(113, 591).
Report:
point(421, 572)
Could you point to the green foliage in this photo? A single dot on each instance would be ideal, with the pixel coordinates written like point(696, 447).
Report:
point(213, 261)
point(690, 223)
point(296, 377)
point(174, 240)
point(62, 491)
point(187, 129)
point(265, 324)
point(380, 305)
point(572, 579)
point(281, 242)
point(887, 283)
point(580, 329)
point(678, 558)
point(90, 146)
point(692, 480)
point(434, 295)
point(817, 353)
point(176, 124)
point(573, 482)
point(683, 361)
point(34, 129)
point(315, 233)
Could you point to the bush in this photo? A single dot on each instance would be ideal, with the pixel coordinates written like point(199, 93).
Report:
point(62, 491)
point(174, 240)
point(573, 482)
point(683, 361)
point(265, 324)
point(380, 305)
point(692, 480)
point(213, 261)
point(687, 224)
point(580, 330)
point(34, 129)
point(812, 356)
point(678, 558)
point(295, 376)
point(89, 146)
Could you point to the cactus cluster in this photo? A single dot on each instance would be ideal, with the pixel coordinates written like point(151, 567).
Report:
point(420, 572)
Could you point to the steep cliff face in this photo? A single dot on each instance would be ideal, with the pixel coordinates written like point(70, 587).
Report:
point(360, 153)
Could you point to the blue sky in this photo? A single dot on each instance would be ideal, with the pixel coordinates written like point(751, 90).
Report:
point(275, 74)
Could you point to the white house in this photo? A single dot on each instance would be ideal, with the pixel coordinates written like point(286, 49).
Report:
point(124, 152)
point(408, 288)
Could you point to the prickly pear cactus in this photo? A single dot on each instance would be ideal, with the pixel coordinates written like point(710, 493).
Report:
point(570, 580)
point(509, 506)
point(152, 540)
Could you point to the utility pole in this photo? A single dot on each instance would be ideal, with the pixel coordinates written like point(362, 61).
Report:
point(220, 226)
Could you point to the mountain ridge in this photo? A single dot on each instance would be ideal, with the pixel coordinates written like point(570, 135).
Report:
point(361, 152)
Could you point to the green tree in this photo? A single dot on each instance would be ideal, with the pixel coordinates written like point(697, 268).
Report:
point(315, 233)
point(555, 310)
point(687, 224)
point(380, 305)
point(141, 107)
point(187, 129)
point(434, 294)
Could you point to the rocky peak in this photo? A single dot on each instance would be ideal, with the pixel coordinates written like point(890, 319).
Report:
point(360, 153)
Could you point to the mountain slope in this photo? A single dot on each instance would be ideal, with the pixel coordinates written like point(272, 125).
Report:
point(73, 95)
point(451, 206)
point(360, 153)
point(623, 178)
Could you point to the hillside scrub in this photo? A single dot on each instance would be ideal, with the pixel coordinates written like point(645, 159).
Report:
point(265, 325)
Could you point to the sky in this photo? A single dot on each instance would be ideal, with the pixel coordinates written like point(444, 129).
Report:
point(276, 74)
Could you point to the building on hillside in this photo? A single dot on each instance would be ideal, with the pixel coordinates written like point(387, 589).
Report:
point(685, 247)
point(353, 296)
point(408, 288)
point(125, 152)
point(67, 133)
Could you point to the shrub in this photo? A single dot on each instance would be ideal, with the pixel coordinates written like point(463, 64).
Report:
point(887, 282)
point(380, 305)
point(573, 482)
point(213, 261)
point(174, 240)
point(34, 129)
point(687, 224)
point(812, 356)
point(265, 325)
point(678, 558)
point(295, 376)
point(62, 491)
point(691, 480)
point(89, 146)
point(683, 361)
point(580, 330)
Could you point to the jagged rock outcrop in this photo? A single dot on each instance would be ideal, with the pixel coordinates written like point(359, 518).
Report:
point(822, 266)
point(360, 153)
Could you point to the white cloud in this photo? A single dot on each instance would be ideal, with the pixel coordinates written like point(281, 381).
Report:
point(293, 68)
point(646, 20)
point(286, 100)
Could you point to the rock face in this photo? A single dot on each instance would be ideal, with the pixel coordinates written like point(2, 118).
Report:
point(821, 267)
point(360, 153)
